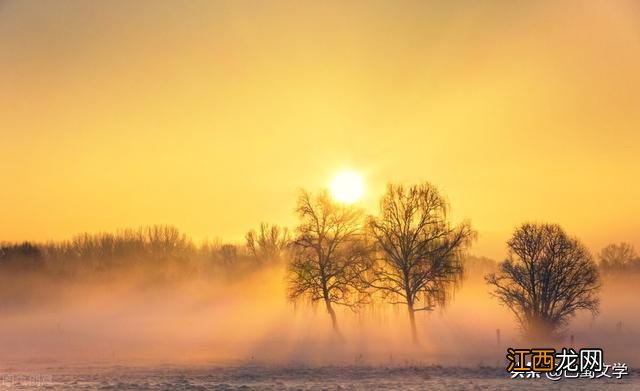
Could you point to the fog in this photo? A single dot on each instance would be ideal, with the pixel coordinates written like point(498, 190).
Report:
point(131, 319)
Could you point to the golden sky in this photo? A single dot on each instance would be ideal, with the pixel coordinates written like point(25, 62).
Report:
point(209, 115)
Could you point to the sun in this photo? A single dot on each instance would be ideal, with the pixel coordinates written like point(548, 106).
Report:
point(347, 187)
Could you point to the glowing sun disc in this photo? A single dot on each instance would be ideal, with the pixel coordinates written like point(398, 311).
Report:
point(347, 187)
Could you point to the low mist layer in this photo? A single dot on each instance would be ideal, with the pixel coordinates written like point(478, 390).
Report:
point(221, 304)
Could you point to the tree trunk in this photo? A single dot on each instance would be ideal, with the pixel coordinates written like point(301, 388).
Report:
point(412, 319)
point(334, 319)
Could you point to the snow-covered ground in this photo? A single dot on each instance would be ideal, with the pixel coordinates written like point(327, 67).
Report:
point(292, 377)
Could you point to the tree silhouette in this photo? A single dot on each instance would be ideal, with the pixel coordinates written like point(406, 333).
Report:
point(328, 255)
point(619, 258)
point(546, 278)
point(26, 255)
point(420, 252)
point(268, 243)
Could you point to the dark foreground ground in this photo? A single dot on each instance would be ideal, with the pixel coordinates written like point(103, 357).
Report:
point(288, 378)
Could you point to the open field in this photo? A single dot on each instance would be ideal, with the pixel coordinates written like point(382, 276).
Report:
point(291, 377)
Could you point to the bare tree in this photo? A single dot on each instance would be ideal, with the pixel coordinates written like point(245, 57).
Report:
point(328, 255)
point(420, 252)
point(268, 243)
point(546, 278)
point(618, 258)
point(166, 242)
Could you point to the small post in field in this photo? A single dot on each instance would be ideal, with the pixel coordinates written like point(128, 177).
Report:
point(571, 341)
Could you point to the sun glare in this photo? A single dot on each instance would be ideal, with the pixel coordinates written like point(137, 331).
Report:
point(347, 187)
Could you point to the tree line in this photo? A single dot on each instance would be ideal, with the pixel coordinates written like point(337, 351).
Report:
point(408, 254)
point(160, 251)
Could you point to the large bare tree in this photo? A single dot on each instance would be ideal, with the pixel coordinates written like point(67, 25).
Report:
point(328, 254)
point(420, 252)
point(547, 277)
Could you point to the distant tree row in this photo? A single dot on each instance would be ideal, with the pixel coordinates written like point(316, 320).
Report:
point(619, 258)
point(158, 249)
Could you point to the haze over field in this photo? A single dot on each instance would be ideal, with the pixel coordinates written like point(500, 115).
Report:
point(203, 321)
